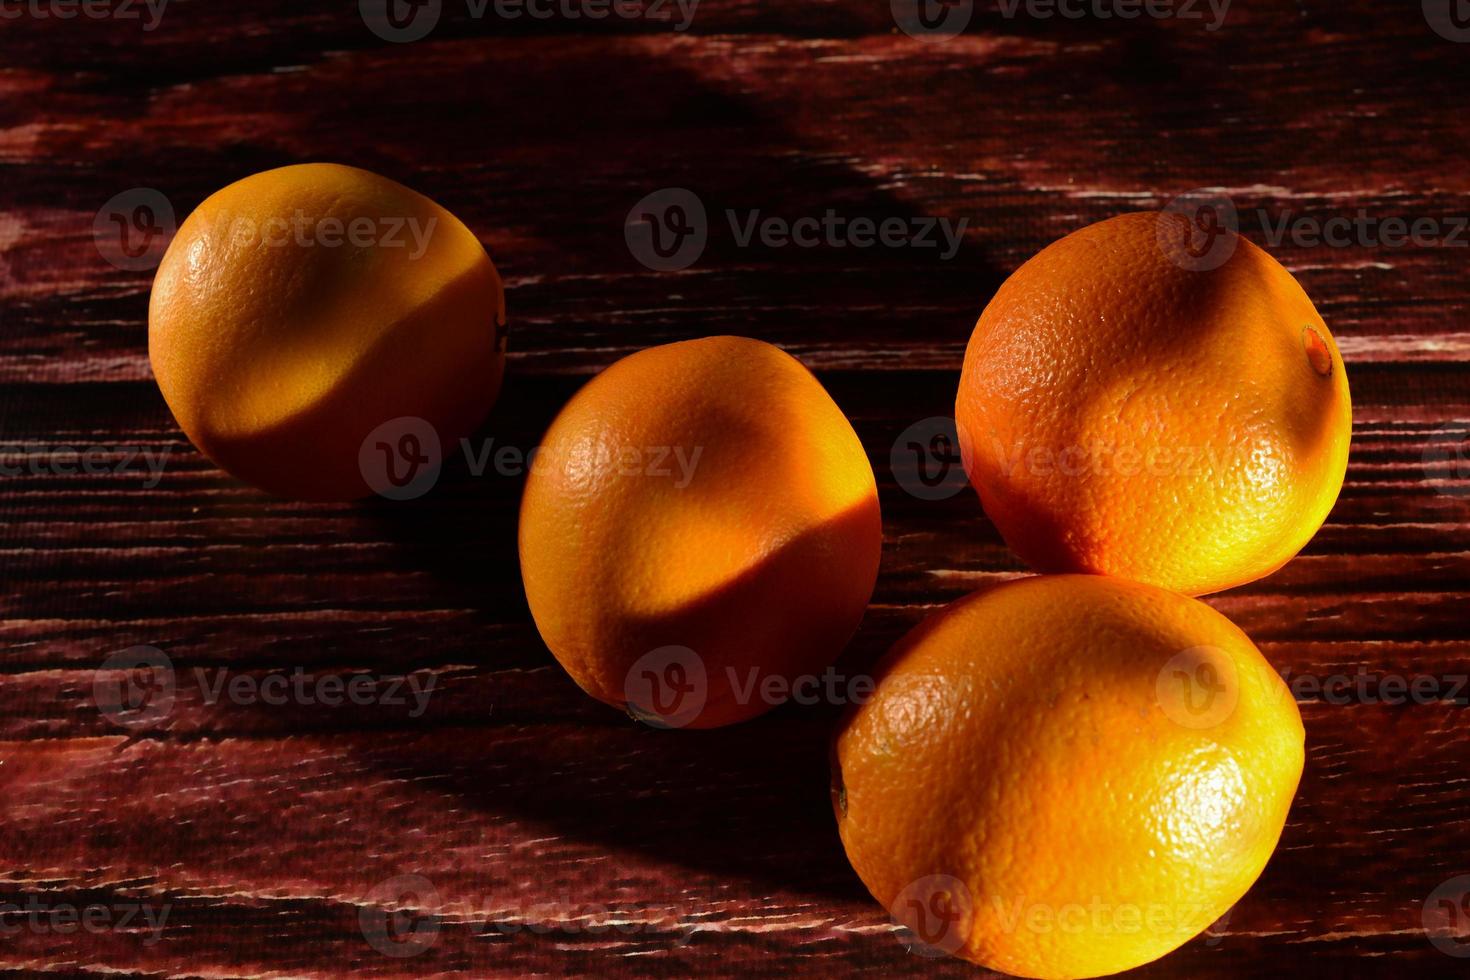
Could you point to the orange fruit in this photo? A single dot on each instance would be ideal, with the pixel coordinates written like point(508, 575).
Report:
point(1125, 411)
point(302, 309)
point(1066, 776)
point(699, 532)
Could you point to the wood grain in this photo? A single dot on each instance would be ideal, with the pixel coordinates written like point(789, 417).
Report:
point(268, 831)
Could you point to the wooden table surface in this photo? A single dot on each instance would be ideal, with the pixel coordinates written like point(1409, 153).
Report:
point(516, 826)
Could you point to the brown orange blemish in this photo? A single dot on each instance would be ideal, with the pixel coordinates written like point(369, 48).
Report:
point(1319, 355)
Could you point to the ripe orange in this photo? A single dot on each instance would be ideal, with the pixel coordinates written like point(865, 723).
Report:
point(699, 531)
point(1123, 411)
point(300, 309)
point(1067, 776)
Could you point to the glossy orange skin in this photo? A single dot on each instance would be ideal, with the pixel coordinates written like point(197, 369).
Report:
point(1052, 745)
point(761, 563)
point(1122, 413)
point(279, 358)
